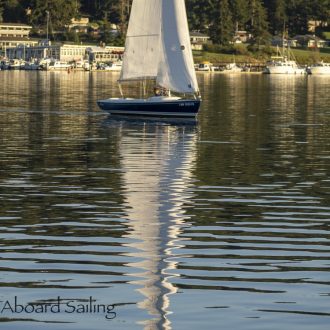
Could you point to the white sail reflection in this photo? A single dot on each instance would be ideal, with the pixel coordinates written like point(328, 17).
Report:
point(157, 174)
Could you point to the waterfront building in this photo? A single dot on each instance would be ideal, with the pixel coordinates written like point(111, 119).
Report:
point(198, 40)
point(65, 52)
point(14, 35)
point(15, 30)
point(104, 54)
point(44, 49)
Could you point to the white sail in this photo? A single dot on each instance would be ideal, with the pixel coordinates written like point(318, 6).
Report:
point(176, 66)
point(142, 48)
point(158, 45)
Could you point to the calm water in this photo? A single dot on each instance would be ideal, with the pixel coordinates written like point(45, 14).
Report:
point(221, 224)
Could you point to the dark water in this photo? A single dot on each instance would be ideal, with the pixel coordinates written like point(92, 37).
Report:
point(222, 224)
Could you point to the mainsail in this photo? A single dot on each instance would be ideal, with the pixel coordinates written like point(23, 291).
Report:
point(158, 45)
point(176, 66)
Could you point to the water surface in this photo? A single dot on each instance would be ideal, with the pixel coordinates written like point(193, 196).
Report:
point(219, 224)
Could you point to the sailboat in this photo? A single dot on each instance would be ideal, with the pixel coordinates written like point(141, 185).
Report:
point(158, 50)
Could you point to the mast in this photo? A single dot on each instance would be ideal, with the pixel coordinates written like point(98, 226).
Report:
point(47, 23)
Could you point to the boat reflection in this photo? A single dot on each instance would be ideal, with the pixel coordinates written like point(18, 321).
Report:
point(157, 168)
point(131, 120)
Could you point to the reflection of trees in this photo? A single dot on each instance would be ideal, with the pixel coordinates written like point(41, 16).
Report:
point(52, 153)
point(241, 208)
point(261, 192)
point(252, 122)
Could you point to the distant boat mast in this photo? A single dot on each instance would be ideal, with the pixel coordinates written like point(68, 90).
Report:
point(47, 25)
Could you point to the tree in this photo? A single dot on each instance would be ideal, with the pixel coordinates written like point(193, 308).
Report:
point(277, 16)
point(300, 12)
point(200, 14)
point(60, 12)
point(218, 18)
point(258, 22)
point(1, 12)
point(223, 28)
point(13, 10)
point(240, 14)
point(319, 10)
point(114, 11)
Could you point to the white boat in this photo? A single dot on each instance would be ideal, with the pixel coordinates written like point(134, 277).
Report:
point(16, 64)
point(44, 63)
point(113, 66)
point(81, 65)
point(320, 68)
point(4, 65)
point(205, 66)
point(59, 66)
point(232, 68)
point(32, 65)
point(283, 63)
point(158, 50)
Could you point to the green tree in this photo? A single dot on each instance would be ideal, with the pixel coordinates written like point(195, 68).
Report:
point(13, 10)
point(300, 12)
point(223, 28)
point(108, 11)
point(200, 14)
point(277, 16)
point(1, 12)
point(114, 11)
point(239, 9)
point(319, 10)
point(258, 22)
point(60, 12)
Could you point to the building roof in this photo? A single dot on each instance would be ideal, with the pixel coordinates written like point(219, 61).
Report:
point(198, 34)
point(307, 37)
point(17, 39)
point(16, 24)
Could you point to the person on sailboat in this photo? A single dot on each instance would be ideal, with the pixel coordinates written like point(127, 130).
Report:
point(160, 91)
point(157, 91)
point(164, 91)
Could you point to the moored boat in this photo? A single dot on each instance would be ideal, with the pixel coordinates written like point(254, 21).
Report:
point(113, 66)
point(4, 65)
point(232, 68)
point(57, 66)
point(16, 64)
point(205, 67)
point(282, 65)
point(320, 68)
point(32, 65)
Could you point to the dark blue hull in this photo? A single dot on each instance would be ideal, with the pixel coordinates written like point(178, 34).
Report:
point(178, 108)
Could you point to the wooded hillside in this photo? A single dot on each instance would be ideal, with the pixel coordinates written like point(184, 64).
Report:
point(217, 18)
